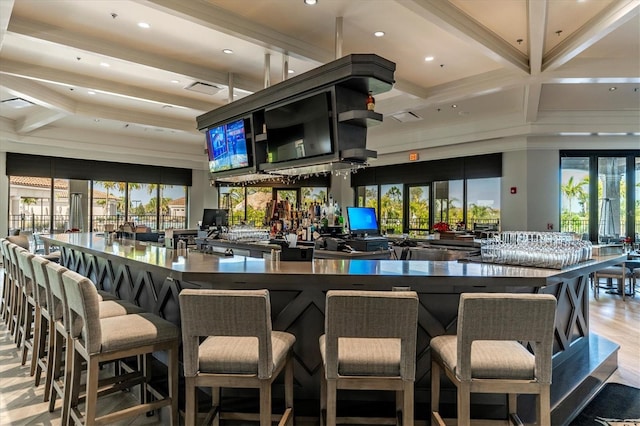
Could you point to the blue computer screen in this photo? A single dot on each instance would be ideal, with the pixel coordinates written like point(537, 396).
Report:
point(362, 220)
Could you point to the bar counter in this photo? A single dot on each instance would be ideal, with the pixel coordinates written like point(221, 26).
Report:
point(153, 276)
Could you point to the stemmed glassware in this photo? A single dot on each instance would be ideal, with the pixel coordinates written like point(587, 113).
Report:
point(553, 250)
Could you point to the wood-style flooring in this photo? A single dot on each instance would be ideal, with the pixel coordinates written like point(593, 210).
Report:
point(22, 404)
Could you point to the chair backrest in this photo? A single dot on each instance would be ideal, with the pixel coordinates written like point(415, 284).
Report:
point(20, 240)
point(372, 314)
point(41, 281)
point(226, 313)
point(83, 307)
point(507, 316)
point(58, 308)
point(16, 272)
point(6, 259)
point(26, 268)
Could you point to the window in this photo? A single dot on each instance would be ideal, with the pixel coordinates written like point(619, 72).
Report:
point(574, 192)
point(483, 203)
point(612, 198)
point(108, 205)
point(419, 210)
point(29, 203)
point(173, 206)
point(257, 200)
point(599, 194)
point(391, 209)
point(449, 202)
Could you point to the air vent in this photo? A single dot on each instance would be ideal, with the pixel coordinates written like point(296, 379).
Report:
point(16, 103)
point(406, 117)
point(206, 88)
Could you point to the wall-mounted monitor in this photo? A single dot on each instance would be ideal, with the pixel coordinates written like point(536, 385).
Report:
point(229, 147)
point(362, 220)
point(300, 129)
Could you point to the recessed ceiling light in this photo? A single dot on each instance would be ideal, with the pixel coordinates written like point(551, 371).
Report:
point(290, 71)
point(613, 89)
point(104, 64)
point(454, 106)
point(144, 25)
point(379, 34)
point(91, 92)
point(175, 81)
point(429, 58)
point(227, 51)
point(310, 2)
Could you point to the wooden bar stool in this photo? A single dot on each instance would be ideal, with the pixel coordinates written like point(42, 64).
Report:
point(617, 272)
point(58, 369)
point(486, 357)
point(369, 344)
point(240, 350)
point(7, 283)
point(96, 340)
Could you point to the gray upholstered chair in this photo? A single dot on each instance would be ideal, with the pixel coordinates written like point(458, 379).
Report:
point(44, 338)
point(96, 340)
point(22, 240)
point(59, 372)
point(7, 284)
point(617, 272)
point(240, 349)
point(369, 343)
point(31, 310)
point(486, 357)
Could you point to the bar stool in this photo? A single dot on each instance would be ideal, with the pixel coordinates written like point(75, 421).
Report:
point(617, 272)
point(486, 357)
point(59, 373)
point(240, 350)
point(7, 283)
point(44, 341)
point(31, 316)
point(369, 344)
point(96, 340)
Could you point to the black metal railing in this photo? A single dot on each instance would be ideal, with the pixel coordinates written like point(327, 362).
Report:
point(42, 223)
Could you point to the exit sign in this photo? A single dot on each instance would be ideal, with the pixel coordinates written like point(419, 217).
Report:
point(413, 156)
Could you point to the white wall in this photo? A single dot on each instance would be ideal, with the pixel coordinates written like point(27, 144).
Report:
point(513, 207)
point(202, 196)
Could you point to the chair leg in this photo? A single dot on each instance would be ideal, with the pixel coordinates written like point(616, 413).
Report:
point(91, 398)
point(464, 399)
point(265, 403)
point(172, 371)
point(191, 401)
point(331, 402)
point(37, 332)
point(435, 390)
point(215, 403)
point(512, 403)
point(50, 355)
point(56, 366)
point(544, 406)
point(26, 342)
point(323, 399)
point(407, 407)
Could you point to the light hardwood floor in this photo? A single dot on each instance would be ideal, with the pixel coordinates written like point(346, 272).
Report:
point(21, 402)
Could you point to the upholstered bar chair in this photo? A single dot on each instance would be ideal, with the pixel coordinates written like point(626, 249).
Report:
point(44, 340)
point(97, 340)
point(240, 350)
point(620, 273)
point(7, 283)
point(23, 241)
point(369, 344)
point(31, 316)
point(20, 292)
point(486, 355)
point(58, 368)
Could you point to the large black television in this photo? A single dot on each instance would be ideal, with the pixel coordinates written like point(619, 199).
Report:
point(362, 220)
point(300, 129)
point(228, 146)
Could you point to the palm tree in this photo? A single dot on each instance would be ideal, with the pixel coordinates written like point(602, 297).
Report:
point(573, 190)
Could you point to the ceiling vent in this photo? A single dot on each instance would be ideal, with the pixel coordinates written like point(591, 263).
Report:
point(406, 117)
point(206, 88)
point(16, 103)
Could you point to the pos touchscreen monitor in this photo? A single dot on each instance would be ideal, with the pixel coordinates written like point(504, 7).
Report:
point(362, 220)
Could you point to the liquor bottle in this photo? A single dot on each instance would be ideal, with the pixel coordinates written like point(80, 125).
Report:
point(371, 102)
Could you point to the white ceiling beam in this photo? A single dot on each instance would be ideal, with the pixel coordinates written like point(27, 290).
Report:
point(129, 116)
point(448, 17)
point(537, 21)
point(124, 52)
point(612, 17)
point(532, 93)
point(38, 120)
point(37, 94)
point(51, 75)
point(216, 18)
point(6, 8)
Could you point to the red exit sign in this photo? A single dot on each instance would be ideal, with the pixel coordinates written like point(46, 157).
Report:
point(413, 156)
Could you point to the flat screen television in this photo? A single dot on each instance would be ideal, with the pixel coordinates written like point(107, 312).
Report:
point(227, 146)
point(300, 129)
point(212, 218)
point(362, 220)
